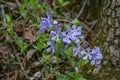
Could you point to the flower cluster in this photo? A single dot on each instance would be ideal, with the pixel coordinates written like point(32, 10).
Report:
point(45, 23)
point(94, 55)
point(72, 35)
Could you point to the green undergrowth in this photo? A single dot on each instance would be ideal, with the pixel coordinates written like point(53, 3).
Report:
point(21, 44)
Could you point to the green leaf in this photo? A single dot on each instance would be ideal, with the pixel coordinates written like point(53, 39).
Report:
point(6, 62)
point(82, 79)
point(8, 19)
point(69, 52)
point(61, 76)
point(12, 56)
point(34, 25)
point(46, 57)
point(66, 26)
point(76, 22)
point(36, 47)
point(65, 3)
point(60, 1)
point(20, 40)
point(2, 28)
point(25, 2)
point(83, 62)
point(61, 51)
point(24, 48)
point(11, 31)
point(20, 54)
point(15, 62)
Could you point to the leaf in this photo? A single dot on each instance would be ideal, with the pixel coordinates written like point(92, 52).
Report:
point(34, 46)
point(12, 56)
point(61, 76)
point(65, 3)
point(28, 35)
point(82, 79)
point(61, 1)
point(20, 40)
point(8, 19)
point(11, 31)
point(76, 22)
point(83, 62)
point(6, 62)
point(24, 47)
point(66, 26)
point(15, 62)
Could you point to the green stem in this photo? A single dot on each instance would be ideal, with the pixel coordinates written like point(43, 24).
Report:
point(57, 64)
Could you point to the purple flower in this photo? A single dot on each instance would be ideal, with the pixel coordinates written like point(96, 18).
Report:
point(87, 54)
point(76, 31)
point(96, 56)
point(45, 23)
point(56, 25)
point(74, 38)
point(55, 35)
point(66, 37)
point(77, 50)
point(93, 55)
point(72, 35)
point(51, 47)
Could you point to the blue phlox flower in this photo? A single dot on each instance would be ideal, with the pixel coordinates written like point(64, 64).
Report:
point(77, 50)
point(87, 54)
point(96, 56)
point(73, 34)
point(45, 23)
point(55, 35)
point(51, 47)
point(67, 38)
point(96, 53)
point(81, 37)
point(74, 38)
point(49, 16)
point(76, 31)
point(56, 25)
point(95, 62)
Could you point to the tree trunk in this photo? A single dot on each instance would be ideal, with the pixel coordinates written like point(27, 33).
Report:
point(107, 37)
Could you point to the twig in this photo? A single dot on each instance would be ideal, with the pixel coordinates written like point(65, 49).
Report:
point(3, 14)
point(18, 3)
point(18, 18)
point(93, 24)
point(22, 68)
point(64, 20)
point(81, 10)
point(9, 73)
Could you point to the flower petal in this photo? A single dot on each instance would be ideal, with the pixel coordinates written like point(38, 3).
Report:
point(85, 57)
point(92, 62)
point(49, 49)
point(83, 52)
point(97, 62)
point(49, 16)
point(66, 40)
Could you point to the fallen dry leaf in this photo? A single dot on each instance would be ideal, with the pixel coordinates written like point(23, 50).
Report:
point(36, 75)
point(5, 50)
point(28, 36)
point(30, 53)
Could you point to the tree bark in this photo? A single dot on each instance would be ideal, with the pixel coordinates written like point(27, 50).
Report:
point(107, 37)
